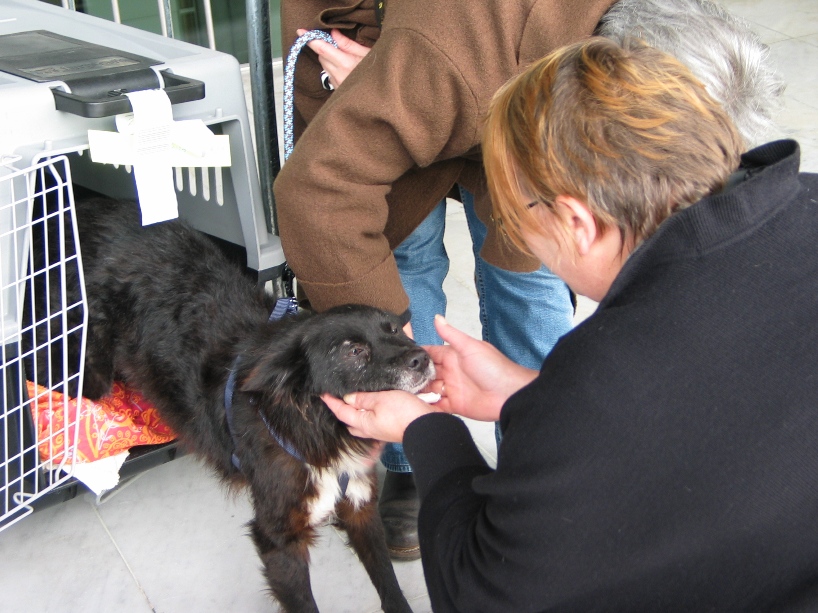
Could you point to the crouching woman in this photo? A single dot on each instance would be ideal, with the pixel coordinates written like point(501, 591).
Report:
point(665, 457)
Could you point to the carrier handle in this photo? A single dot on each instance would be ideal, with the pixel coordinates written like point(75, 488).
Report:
point(178, 88)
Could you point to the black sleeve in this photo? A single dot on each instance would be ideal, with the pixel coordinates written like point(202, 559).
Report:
point(445, 461)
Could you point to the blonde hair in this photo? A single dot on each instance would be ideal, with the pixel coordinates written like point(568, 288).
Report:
point(625, 129)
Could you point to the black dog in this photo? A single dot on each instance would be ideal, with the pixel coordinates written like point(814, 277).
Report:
point(171, 316)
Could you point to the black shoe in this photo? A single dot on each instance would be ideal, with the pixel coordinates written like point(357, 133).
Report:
point(398, 507)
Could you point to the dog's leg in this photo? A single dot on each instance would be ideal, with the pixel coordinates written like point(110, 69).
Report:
point(98, 375)
point(286, 564)
point(365, 530)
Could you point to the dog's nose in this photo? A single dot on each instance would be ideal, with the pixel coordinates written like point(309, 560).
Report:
point(417, 359)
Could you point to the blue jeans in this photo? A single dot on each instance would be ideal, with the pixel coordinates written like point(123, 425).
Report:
point(522, 314)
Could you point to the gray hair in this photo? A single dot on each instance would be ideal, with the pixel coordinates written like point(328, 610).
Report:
point(717, 47)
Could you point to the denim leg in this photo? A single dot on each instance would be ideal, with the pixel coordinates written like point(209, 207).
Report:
point(423, 265)
point(522, 314)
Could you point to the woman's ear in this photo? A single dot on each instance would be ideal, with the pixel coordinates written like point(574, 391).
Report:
point(579, 222)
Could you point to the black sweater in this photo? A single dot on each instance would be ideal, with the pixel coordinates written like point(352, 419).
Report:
point(666, 457)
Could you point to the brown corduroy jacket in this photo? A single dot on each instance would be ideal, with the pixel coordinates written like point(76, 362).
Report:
point(376, 155)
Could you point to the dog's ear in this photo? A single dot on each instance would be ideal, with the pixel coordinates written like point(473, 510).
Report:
point(278, 380)
point(278, 372)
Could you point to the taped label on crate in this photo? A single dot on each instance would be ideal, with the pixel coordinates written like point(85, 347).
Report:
point(153, 143)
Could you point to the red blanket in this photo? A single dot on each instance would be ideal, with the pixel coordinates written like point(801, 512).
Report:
point(107, 427)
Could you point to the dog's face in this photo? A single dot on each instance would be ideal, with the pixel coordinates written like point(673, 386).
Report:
point(347, 349)
point(363, 349)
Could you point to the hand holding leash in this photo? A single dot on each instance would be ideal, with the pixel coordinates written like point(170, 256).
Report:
point(339, 61)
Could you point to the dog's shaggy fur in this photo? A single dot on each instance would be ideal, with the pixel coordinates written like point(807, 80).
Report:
point(169, 315)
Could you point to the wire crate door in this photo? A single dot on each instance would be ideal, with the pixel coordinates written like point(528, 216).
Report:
point(44, 318)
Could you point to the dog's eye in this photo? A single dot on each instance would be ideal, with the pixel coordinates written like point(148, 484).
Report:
point(390, 328)
point(356, 350)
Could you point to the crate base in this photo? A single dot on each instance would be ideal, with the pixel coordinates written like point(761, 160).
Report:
point(139, 460)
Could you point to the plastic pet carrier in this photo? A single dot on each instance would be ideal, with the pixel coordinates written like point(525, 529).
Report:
point(62, 74)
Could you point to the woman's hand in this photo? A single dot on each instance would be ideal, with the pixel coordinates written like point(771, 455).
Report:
point(337, 63)
point(383, 416)
point(473, 377)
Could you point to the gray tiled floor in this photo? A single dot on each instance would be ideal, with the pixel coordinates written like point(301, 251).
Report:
point(173, 541)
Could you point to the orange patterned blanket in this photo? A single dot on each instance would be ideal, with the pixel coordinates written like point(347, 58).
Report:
point(110, 426)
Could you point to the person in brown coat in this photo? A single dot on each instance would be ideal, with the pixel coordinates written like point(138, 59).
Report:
point(380, 152)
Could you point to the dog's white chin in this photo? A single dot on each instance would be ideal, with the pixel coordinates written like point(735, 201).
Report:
point(414, 384)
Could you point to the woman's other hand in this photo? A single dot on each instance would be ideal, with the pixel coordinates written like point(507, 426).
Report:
point(473, 378)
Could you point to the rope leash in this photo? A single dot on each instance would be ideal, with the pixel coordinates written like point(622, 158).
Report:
point(288, 99)
point(289, 82)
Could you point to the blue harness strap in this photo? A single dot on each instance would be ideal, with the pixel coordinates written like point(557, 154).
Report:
point(283, 306)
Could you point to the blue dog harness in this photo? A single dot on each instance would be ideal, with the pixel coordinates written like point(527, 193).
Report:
point(284, 306)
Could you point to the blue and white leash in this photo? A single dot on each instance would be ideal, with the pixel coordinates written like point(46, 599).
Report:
point(289, 82)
